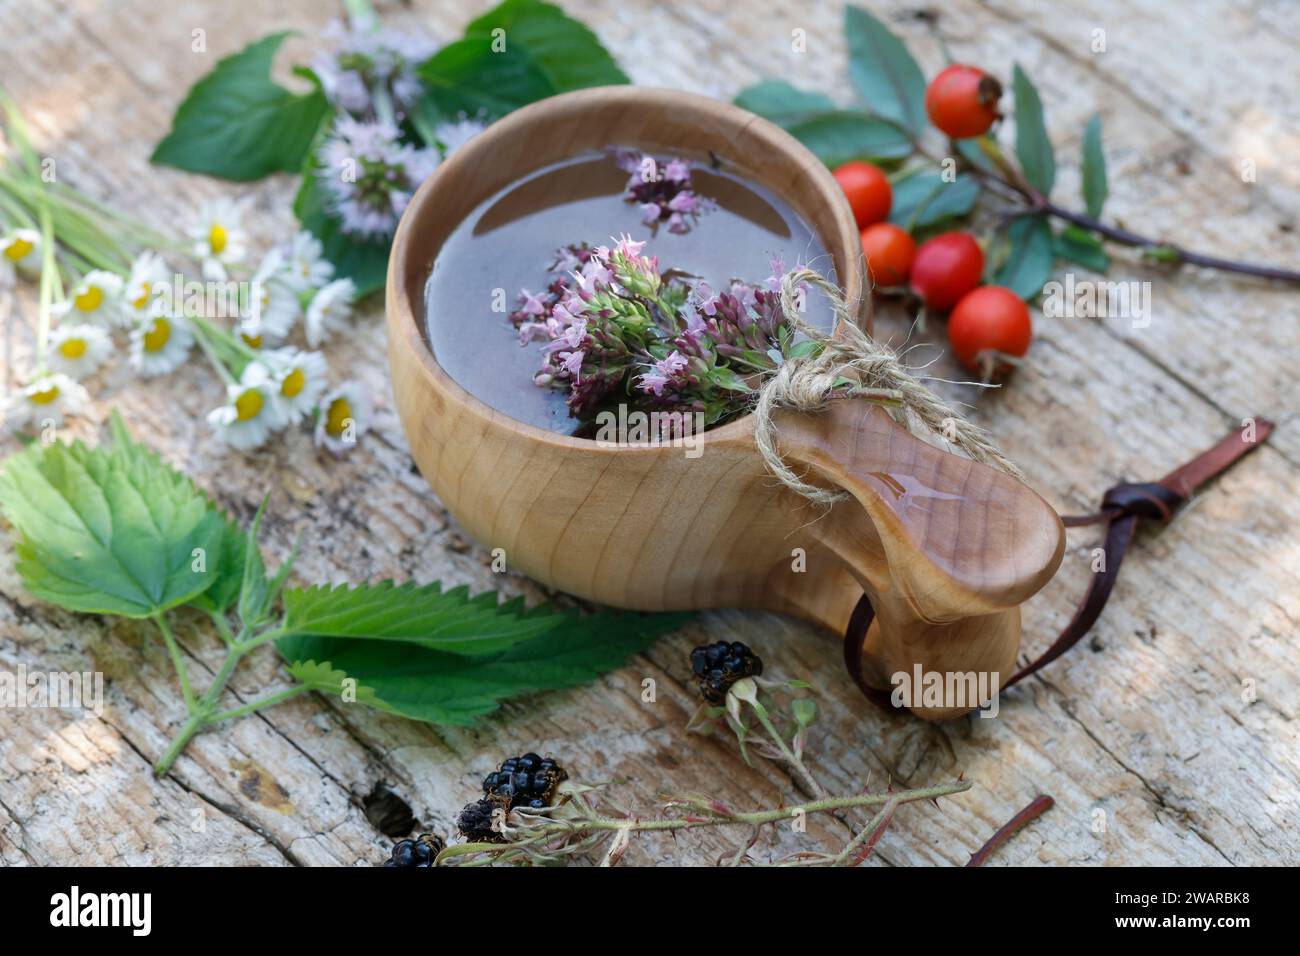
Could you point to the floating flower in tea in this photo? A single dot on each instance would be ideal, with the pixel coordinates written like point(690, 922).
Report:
point(664, 192)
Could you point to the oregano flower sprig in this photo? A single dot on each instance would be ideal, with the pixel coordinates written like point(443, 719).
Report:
point(113, 530)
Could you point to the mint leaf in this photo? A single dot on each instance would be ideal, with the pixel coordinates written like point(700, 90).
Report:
point(562, 48)
point(843, 135)
point(110, 530)
point(1082, 247)
point(1095, 189)
point(1028, 257)
point(1033, 148)
point(927, 198)
point(888, 79)
point(236, 123)
point(449, 621)
point(450, 689)
point(782, 103)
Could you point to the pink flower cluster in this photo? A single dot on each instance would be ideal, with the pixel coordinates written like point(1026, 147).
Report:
point(663, 191)
point(616, 328)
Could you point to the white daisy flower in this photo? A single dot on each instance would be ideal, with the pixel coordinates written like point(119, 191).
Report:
point(275, 305)
point(219, 239)
point(20, 251)
point(305, 264)
point(48, 399)
point(159, 343)
point(249, 415)
point(328, 309)
point(345, 415)
point(96, 298)
point(299, 380)
point(149, 274)
point(78, 350)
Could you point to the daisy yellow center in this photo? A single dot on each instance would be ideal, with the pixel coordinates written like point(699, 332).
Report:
point(217, 238)
point(293, 383)
point(18, 249)
point(252, 341)
point(156, 338)
point(338, 417)
point(45, 395)
point(90, 300)
point(248, 405)
point(142, 299)
point(72, 348)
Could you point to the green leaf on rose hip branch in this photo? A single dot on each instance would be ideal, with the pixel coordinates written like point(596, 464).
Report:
point(1033, 148)
point(450, 689)
point(426, 616)
point(563, 48)
point(783, 104)
point(927, 198)
point(1082, 247)
point(889, 81)
point(1028, 257)
point(111, 529)
point(843, 135)
point(1095, 189)
point(238, 124)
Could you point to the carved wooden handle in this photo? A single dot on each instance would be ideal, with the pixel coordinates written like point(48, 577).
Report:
point(945, 548)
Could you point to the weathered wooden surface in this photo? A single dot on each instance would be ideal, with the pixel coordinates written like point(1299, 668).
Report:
point(1142, 735)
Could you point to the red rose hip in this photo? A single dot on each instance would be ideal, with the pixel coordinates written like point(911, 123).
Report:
point(963, 101)
point(868, 191)
point(889, 251)
point(946, 268)
point(991, 319)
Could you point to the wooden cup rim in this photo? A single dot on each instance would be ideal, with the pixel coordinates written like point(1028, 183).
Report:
point(407, 277)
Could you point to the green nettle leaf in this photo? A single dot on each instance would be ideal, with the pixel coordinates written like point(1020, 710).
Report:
point(564, 49)
point(1082, 247)
point(451, 689)
point(1095, 188)
point(238, 124)
point(783, 104)
point(927, 198)
point(426, 616)
point(843, 135)
point(1033, 148)
point(228, 573)
point(1029, 256)
point(888, 79)
point(110, 530)
point(364, 262)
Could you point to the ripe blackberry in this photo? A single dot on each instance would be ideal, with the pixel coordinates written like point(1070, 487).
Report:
point(416, 853)
point(720, 665)
point(475, 821)
point(527, 781)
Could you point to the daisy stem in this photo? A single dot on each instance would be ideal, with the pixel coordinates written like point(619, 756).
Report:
point(202, 330)
point(49, 277)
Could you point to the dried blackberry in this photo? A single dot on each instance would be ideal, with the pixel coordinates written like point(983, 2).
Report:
point(475, 821)
point(720, 665)
point(416, 853)
point(527, 781)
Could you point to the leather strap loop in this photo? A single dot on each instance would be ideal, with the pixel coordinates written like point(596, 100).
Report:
point(1122, 508)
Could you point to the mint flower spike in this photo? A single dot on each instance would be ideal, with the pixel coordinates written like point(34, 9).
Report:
point(369, 175)
point(664, 192)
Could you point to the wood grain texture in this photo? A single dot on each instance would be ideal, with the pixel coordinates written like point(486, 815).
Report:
point(1142, 734)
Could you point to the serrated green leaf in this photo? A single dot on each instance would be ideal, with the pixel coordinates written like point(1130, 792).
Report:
point(1033, 148)
point(1095, 188)
point(228, 574)
point(843, 135)
point(783, 104)
point(326, 680)
point(450, 689)
point(927, 198)
point(1082, 247)
point(427, 616)
point(1029, 256)
point(888, 79)
point(564, 49)
point(236, 123)
point(109, 530)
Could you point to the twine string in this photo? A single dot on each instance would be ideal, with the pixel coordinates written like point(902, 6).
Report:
point(848, 363)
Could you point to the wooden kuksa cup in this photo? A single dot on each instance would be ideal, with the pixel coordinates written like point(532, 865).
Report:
point(945, 548)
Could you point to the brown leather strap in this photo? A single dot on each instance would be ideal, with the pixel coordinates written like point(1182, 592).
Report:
point(1122, 507)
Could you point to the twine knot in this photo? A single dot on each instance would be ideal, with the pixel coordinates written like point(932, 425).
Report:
point(848, 363)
